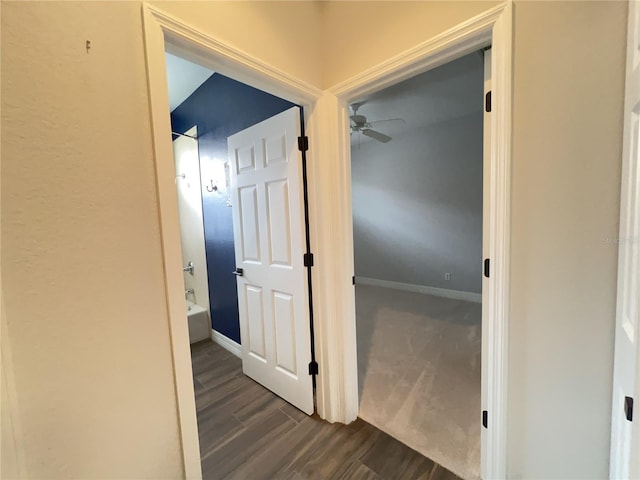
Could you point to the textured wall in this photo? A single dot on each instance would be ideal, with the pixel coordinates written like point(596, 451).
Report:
point(221, 107)
point(566, 196)
point(81, 260)
point(358, 35)
point(284, 34)
point(82, 267)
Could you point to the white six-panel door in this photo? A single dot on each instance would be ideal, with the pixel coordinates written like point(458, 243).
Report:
point(625, 433)
point(268, 223)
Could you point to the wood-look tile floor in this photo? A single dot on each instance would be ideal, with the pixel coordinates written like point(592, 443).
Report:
point(247, 432)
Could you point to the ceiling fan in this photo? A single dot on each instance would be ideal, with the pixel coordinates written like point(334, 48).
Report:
point(360, 124)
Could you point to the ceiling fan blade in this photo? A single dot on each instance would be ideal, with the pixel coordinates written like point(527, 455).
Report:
point(381, 137)
point(401, 120)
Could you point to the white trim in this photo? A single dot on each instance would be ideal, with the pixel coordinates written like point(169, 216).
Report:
point(13, 455)
point(625, 436)
point(172, 256)
point(456, 42)
point(225, 342)
point(424, 289)
point(497, 291)
point(493, 27)
point(190, 43)
point(486, 235)
point(329, 199)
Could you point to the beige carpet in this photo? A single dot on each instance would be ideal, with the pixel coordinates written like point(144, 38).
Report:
point(419, 373)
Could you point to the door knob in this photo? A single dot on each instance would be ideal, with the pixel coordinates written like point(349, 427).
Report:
point(238, 272)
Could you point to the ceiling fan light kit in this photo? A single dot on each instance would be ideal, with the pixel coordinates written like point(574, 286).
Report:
point(360, 124)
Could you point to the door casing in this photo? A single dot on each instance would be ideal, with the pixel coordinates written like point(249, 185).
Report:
point(491, 28)
point(625, 434)
point(326, 118)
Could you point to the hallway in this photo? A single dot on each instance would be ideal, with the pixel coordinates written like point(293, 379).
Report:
point(248, 432)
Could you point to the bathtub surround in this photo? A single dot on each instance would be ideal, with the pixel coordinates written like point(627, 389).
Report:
point(221, 107)
point(187, 163)
point(199, 323)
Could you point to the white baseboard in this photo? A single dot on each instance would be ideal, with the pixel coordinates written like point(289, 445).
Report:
point(226, 343)
point(409, 287)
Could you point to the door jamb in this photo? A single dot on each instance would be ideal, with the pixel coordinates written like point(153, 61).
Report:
point(493, 27)
point(621, 463)
point(164, 32)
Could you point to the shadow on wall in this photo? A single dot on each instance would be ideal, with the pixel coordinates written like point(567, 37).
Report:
point(221, 107)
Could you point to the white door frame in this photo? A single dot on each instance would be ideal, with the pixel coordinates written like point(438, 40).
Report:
point(163, 32)
point(625, 435)
point(327, 123)
point(493, 27)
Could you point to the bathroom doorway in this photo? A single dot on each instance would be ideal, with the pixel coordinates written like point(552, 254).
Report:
point(239, 175)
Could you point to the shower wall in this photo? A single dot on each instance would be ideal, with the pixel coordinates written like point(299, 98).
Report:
point(187, 162)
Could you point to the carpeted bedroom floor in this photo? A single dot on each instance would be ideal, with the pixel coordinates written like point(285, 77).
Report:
point(419, 373)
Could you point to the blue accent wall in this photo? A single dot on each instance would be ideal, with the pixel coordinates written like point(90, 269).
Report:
point(221, 107)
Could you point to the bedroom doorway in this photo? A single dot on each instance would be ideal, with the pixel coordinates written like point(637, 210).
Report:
point(417, 188)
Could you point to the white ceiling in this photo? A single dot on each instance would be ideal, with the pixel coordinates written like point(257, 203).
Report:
point(183, 78)
point(450, 91)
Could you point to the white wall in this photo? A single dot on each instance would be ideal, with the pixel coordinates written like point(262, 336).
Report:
point(81, 259)
point(566, 197)
point(283, 33)
point(187, 160)
point(417, 205)
point(357, 35)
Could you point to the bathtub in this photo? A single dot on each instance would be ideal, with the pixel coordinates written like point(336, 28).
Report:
point(198, 321)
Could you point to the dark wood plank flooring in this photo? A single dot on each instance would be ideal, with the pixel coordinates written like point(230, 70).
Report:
point(247, 432)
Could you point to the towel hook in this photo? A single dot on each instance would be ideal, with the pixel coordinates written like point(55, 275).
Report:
point(214, 188)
